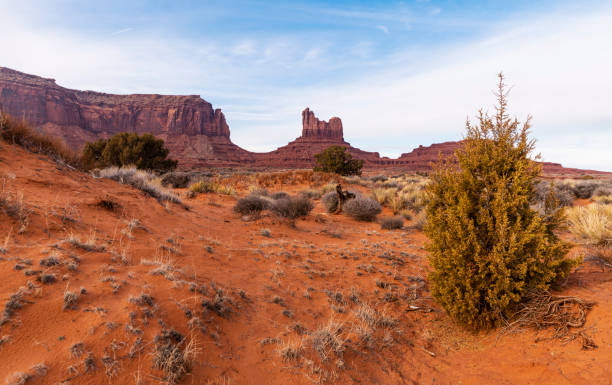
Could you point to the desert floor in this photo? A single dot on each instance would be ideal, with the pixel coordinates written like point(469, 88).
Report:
point(326, 299)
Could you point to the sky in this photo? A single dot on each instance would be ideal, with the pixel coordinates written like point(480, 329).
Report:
point(398, 73)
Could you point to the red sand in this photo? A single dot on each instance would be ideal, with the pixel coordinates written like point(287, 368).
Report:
point(210, 243)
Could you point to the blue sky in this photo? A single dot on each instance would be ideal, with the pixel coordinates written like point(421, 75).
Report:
point(399, 74)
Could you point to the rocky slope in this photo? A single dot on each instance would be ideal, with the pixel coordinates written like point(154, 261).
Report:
point(195, 133)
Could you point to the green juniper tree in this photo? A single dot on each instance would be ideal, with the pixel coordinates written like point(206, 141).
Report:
point(488, 247)
point(338, 160)
point(124, 149)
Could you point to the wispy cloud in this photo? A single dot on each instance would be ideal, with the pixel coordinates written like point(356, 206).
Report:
point(122, 31)
point(383, 28)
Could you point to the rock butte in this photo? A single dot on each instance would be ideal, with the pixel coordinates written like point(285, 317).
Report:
point(195, 133)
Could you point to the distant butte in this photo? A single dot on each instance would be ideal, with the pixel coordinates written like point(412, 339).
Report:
point(195, 133)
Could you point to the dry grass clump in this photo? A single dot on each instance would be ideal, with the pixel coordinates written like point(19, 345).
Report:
point(291, 351)
point(362, 208)
point(14, 206)
point(592, 223)
point(21, 378)
point(173, 355)
point(165, 266)
point(70, 300)
point(392, 223)
point(14, 303)
point(328, 340)
point(141, 180)
point(204, 187)
point(88, 245)
point(19, 133)
point(400, 193)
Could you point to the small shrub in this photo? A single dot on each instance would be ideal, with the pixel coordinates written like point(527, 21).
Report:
point(602, 191)
point(50, 261)
point(362, 208)
point(392, 223)
point(19, 133)
point(47, 278)
point(336, 159)
point(378, 178)
point(251, 204)
point(280, 195)
point(311, 194)
point(564, 196)
point(176, 179)
point(292, 207)
point(145, 152)
point(330, 201)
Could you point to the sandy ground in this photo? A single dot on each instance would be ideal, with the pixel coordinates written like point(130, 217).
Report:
point(241, 297)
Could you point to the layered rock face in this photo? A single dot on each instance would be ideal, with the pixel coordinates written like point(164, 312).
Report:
point(320, 129)
point(195, 133)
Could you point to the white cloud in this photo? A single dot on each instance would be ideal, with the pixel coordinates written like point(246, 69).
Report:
point(559, 66)
point(383, 28)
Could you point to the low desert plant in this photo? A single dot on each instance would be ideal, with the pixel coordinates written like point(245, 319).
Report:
point(328, 339)
point(251, 204)
point(338, 160)
point(311, 194)
point(204, 187)
point(362, 208)
point(173, 355)
point(592, 223)
point(330, 201)
point(14, 207)
point(145, 152)
point(19, 133)
point(70, 300)
point(488, 247)
point(383, 195)
point(392, 223)
point(140, 180)
point(292, 207)
point(291, 351)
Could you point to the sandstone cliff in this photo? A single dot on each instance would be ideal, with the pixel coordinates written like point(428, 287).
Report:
point(192, 128)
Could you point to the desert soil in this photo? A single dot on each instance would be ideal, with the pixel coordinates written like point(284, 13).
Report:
point(241, 295)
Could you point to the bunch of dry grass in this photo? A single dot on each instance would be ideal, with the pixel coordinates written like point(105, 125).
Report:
point(592, 223)
point(19, 133)
point(14, 206)
point(203, 187)
point(141, 180)
point(174, 355)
